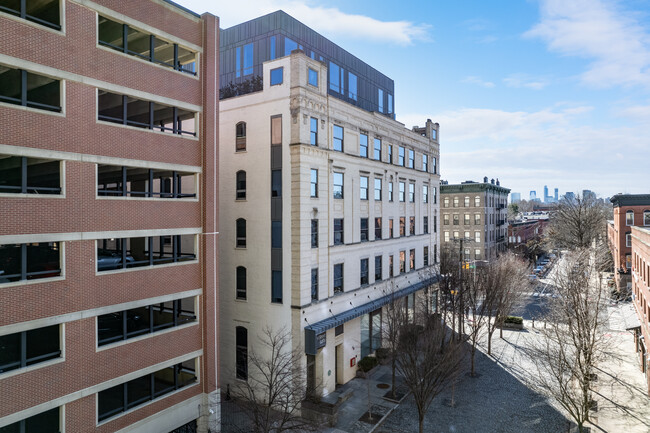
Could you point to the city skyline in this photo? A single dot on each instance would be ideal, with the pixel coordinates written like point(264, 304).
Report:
point(534, 84)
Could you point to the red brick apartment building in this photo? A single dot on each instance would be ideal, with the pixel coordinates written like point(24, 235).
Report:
point(629, 210)
point(108, 234)
point(641, 292)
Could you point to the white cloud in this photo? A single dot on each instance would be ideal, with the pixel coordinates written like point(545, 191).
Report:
point(478, 81)
point(327, 20)
point(617, 44)
point(526, 150)
point(639, 113)
point(525, 80)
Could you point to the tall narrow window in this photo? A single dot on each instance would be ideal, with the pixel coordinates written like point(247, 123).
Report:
point(425, 162)
point(337, 138)
point(314, 233)
point(377, 189)
point(363, 272)
point(434, 195)
point(425, 193)
point(390, 191)
point(352, 86)
point(456, 201)
point(380, 100)
point(276, 234)
point(377, 228)
point(402, 191)
point(400, 155)
point(391, 233)
point(363, 187)
point(391, 266)
point(276, 183)
point(477, 237)
point(425, 256)
point(402, 226)
point(276, 287)
point(412, 259)
point(313, 131)
point(241, 282)
point(402, 262)
point(425, 225)
point(389, 107)
point(241, 185)
point(412, 192)
point(314, 183)
point(337, 83)
point(338, 185)
point(363, 145)
point(338, 278)
point(338, 231)
point(241, 233)
point(240, 136)
point(377, 149)
point(290, 45)
point(628, 239)
point(390, 153)
point(445, 202)
point(364, 230)
point(411, 158)
point(646, 217)
point(477, 201)
point(378, 272)
point(434, 168)
point(629, 218)
point(241, 352)
point(248, 60)
point(466, 219)
point(412, 226)
point(466, 204)
point(272, 48)
point(314, 284)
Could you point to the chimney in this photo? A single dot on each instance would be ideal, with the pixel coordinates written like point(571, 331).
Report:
point(485, 179)
point(498, 183)
point(492, 181)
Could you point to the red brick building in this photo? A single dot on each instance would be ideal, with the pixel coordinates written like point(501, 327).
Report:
point(629, 210)
point(641, 293)
point(108, 195)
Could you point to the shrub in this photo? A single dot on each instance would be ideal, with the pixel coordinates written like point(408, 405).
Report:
point(514, 319)
point(367, 363)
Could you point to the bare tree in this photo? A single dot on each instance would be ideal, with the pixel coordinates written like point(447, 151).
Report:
point(577, 223)
point(479, 304)
point(394, 318)
point(573, 341)
point(449, 278)
point(276, 386)
point(505, 283)
point(429, 359)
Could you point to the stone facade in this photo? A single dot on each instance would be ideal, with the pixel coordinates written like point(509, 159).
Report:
point(319, 220)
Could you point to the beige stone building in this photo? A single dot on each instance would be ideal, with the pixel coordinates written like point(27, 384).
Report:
point(325, 209)
point(475, 213)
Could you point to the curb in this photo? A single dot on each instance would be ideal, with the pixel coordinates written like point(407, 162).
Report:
point(383, 418)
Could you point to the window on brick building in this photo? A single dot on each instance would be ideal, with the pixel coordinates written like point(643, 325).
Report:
point(44, 422)
point(129, 40)
point(27, 348)
point(646, 217)
point(629, 218)
point(121, 181)
point(136, 392)
point(44, 12)
point(23, 175)
point(29, 261)
point(148, 319)
point(123, 253)
point(240, 136)
point(240, 233)
point(28, 89)
point(628, 239)
point(130, 111)
point(240, 187)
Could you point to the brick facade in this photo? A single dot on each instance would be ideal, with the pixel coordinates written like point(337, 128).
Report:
point(78, 217)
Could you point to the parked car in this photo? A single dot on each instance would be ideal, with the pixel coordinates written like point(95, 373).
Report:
point(107, 260)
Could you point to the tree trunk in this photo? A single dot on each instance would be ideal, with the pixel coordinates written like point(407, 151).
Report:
point(393, 367)
point(421, 422)
point(473, 352)
point(501, 332)
point(489, 343)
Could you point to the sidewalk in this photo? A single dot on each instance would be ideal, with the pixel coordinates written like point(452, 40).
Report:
point(356, 406)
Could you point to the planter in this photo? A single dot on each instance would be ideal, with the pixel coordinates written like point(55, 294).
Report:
point(511, 326)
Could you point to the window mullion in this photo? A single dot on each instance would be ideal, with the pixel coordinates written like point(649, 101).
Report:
point(23, 8)
point(151, 47)
point(175, 240)
point(124, 325)
point(124, 191)
point(123, 242)
point(23, 174)
point(151, 326)
point(125, 37)
point(174, 184)
point(176, 372)
point(175, 120)
point(176, 66)
point(23, 349)
point(23, 261)
point(152, 382)
point(124, 113)
point(175, 309)
point(125, 396)
point(150, 192)
point(150, 115)
point(23, 83)
point(150, 242)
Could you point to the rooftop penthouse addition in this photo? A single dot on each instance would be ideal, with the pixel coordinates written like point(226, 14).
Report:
point(245, 47)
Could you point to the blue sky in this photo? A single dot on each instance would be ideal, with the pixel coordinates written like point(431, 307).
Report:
point(538, 92)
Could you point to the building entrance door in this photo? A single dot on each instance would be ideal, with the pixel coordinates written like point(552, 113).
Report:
point(338, 371)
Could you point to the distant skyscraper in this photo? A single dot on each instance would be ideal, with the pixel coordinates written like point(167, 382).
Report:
point(588, 194)
point(570, 196)
point(515, 197)
point(546, 200)
point(533, 195)
point(556, 194)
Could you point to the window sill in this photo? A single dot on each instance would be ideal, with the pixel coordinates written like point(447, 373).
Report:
point(35, 110)
point(156, 199)
point(34, 24)
point(37, 196)
point(145, 336)
point(147, 62)
point(36, 281)
point(44, 364)
point(146, 130)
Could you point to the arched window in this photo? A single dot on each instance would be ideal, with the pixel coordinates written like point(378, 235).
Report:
point(240, 136)
point(241, 282)
point(629, 218)
point(241, 352)
point(477, 201)
point(646, 217)
point(466, 201)
point(241, 233)
point(241, 185)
